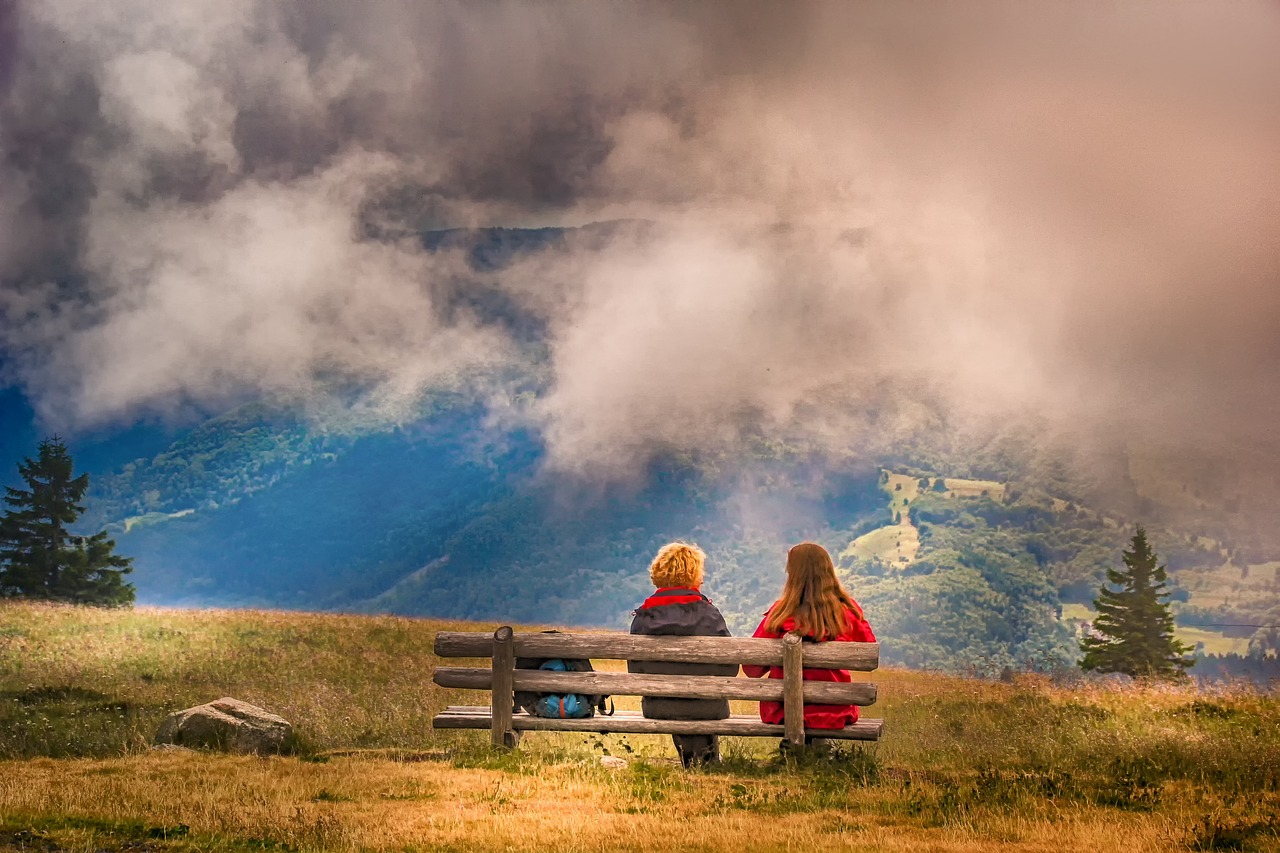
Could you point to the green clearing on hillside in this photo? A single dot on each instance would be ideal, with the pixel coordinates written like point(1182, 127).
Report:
point(961, 488)
point(1215, 643)
point(965, 765)
point(1231, 586)
point(895, 544)
point(1010, 538)
point(900, 486)
point(898, 544)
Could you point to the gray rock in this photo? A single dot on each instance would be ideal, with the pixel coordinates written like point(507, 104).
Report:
point(228, 725)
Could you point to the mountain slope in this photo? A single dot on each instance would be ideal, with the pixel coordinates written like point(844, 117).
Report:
point(964, 549)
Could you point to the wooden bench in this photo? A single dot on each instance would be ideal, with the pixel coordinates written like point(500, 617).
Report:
point(502, 679)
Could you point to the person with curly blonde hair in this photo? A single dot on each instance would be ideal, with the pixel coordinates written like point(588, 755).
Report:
point(679, 609)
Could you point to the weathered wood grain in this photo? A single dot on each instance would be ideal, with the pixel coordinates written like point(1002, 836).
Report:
point(635, 684)
point(630, 722)
point(504, 662)
point(861, 657)
point(793, 688)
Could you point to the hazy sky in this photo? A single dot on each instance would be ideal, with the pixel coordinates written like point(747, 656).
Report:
point(868, 219)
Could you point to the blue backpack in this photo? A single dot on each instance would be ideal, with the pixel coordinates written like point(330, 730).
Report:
point(564, 706)
point(561, 705)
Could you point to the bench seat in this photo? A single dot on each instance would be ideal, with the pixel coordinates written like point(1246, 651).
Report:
point(632, 722)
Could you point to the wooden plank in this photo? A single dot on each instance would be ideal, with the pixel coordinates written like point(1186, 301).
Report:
point(636, 684)
point(504, 662)
point(862, 657)
point(793, 689)
point(631, 722)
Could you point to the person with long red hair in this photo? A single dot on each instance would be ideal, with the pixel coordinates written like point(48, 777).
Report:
point(815, 605)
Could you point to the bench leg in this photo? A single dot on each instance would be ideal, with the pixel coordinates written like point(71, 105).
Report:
point(793, 689)
point(501, 734)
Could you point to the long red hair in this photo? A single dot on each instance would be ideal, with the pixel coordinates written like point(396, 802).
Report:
point(813, 595)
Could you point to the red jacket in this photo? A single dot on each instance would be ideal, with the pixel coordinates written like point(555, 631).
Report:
point(815, 716)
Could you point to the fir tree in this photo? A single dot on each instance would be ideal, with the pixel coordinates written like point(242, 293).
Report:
point(1133, 633)
point(39, 556)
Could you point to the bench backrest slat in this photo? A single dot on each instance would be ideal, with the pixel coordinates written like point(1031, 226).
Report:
point(861, 657)
point(635, 684)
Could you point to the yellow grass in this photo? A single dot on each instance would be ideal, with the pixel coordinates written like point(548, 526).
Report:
point(1215, 643)
point(1077, 612)
point(966, 765)
point(899, 486)
point(896, 544)
point(961, 488)
point(570, 803)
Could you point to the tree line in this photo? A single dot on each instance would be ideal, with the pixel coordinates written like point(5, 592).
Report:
point(40, 558)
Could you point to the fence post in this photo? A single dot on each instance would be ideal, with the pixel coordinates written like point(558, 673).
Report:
point(793, 689)
point(504, 665)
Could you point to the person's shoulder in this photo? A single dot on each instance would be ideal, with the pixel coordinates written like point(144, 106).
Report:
point(857, 627)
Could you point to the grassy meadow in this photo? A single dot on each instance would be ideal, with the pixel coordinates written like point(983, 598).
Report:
point(965, 765)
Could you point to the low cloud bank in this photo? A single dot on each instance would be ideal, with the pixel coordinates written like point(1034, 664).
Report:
point(864, 222)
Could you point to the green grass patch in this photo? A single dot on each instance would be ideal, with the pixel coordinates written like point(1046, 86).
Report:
point(58, 834)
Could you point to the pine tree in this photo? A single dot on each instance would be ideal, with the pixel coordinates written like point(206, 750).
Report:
point(1133, 633)
point(39, 556)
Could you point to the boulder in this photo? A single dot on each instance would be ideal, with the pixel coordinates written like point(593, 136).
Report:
point(229, 725)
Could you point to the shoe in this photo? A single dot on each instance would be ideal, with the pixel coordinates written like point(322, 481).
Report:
point(700, 759)
point(820, 744)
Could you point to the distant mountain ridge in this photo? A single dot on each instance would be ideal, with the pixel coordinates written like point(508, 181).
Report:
point(441, 517)
point(438, 514)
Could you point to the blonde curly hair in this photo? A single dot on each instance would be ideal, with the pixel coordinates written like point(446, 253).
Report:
point(677, 564)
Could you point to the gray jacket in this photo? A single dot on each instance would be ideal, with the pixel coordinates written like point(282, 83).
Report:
point(680, 612)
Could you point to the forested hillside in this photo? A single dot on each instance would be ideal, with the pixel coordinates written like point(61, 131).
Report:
point(441, 519)
point(966, 553)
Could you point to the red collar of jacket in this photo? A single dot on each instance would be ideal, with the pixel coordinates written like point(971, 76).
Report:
point(673, 595)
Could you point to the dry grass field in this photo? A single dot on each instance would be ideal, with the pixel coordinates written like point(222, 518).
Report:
point(965, 765)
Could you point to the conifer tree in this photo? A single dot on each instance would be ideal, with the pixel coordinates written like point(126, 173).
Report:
point(1133, 632)
point(39, 557)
